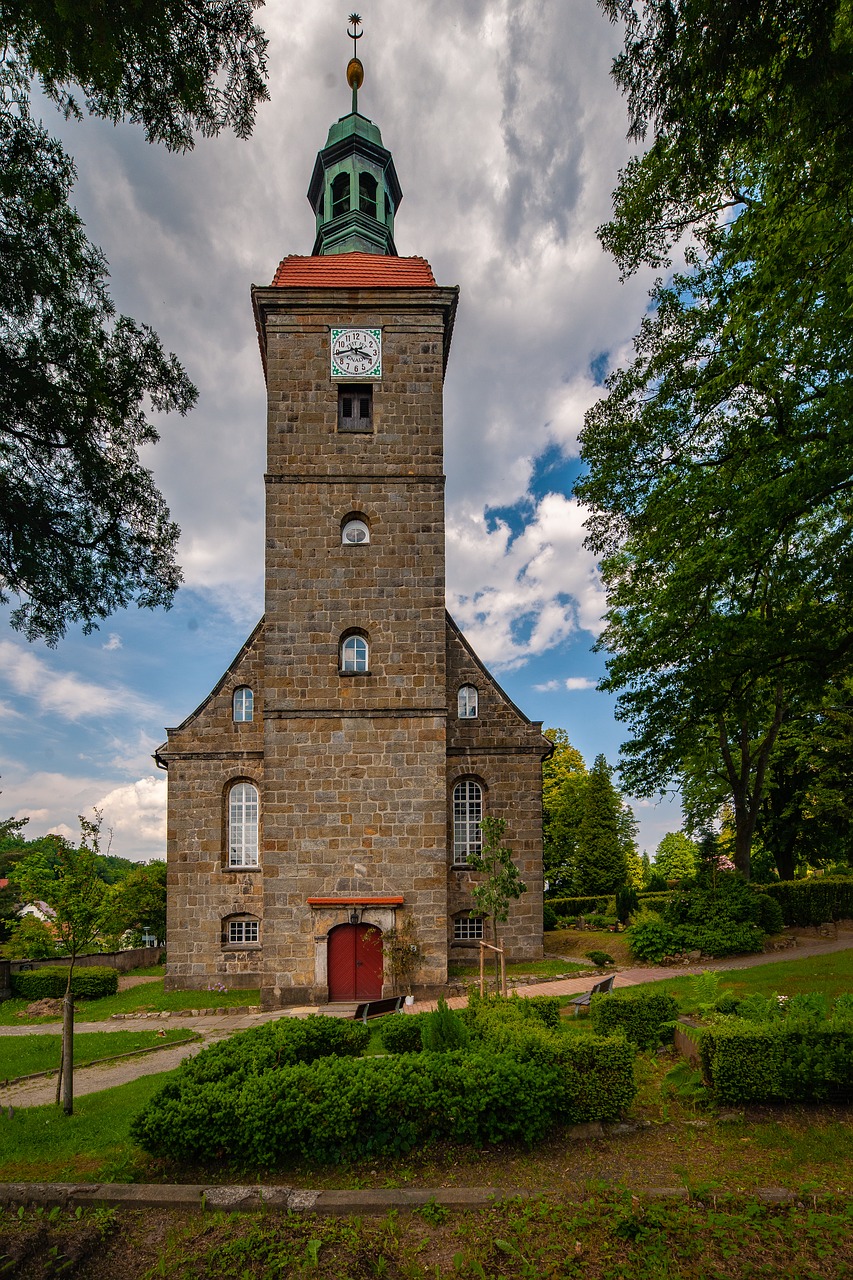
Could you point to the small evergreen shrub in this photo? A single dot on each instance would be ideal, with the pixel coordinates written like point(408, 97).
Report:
point(550, 919)
point(599, 958)
point(443, 1030)
point(779, 1062)
point(402, 1033)
point(770, 917)
point(627, 903)
point(276, 1044)
point(642, 1018)
point(89, 983)
point(650, 938)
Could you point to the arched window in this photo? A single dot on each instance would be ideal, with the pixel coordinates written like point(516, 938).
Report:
point(241, 931)
point(467, 816)
point(340, 194)
point(243, 825)
point(467, 702)
point(367, 194)
point(354, 532)
point(354, 653)
point(244, 703)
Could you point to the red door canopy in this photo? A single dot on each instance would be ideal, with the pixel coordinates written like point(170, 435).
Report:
point(355, 962)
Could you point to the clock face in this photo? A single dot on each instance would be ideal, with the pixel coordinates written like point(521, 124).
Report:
point(357, 352)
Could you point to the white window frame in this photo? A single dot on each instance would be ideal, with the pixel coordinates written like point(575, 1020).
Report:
point(468, 702)
point(467, 816)
point(355, 655)
point(243, 704)
point(248, 931)
point(355, 525)
point(468, 928)
point(243, 824)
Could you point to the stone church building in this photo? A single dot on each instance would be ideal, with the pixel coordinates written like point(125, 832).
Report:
point(333, 782)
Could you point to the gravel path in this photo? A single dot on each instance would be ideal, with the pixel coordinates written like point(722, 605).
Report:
point(216, 1027)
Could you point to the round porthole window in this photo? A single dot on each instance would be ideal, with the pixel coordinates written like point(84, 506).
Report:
point(354, 533)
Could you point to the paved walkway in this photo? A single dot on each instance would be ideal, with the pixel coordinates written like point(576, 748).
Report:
point(216, 1027)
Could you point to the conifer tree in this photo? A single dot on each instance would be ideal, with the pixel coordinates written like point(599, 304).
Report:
point(601, 866)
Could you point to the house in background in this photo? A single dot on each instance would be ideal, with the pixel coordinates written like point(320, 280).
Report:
point(332, 784)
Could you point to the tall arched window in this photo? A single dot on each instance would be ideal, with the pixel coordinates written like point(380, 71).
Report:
point(467, 702)
point(467, 816)
point(354, 653)
point(340, 194)
point(243, 805)
point(367, 194)
point(244, 703)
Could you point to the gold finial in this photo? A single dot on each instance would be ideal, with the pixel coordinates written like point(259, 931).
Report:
point(355, 71)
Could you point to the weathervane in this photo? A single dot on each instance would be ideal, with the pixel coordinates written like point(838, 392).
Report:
point(355, 71)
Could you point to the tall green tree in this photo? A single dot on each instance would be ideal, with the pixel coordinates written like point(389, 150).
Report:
point(720, 463)
point(138, 902)
point(564, 776)
point(83, 529)
point(677, 856)
point(601, 865)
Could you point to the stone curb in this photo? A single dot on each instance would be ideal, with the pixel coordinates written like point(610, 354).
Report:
point(94, 1062)
point(237, 1011)
point(251, 1199)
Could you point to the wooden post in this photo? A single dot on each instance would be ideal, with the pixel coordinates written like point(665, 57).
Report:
point(68, 1054)
point(503, 974)
point(482, 971)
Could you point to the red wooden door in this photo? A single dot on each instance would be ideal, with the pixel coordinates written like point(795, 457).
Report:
point(355, 962)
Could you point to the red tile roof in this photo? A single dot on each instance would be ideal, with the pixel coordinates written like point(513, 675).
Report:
point(353, 271)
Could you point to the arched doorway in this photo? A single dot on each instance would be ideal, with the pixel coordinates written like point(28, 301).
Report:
point(355, 962)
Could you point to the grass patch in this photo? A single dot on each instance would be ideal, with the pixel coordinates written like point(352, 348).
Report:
point(24, 1055)
point(147, 997)
point(42, 1143)
point(520, 969)
point(829, 974)
point(575, 943)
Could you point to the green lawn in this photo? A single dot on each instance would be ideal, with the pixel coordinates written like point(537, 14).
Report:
point(830, 974)
point(24, 1055)
point(148, 996)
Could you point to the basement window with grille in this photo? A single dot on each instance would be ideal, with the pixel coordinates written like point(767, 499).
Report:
point(355, 408)
point(468, 929)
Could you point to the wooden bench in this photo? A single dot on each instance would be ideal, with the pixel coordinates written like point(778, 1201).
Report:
point(602, 988)
point(376, 1008)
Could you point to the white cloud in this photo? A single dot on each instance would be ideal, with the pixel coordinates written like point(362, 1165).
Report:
point(63, 693)
point(550, 686)
point(579, 682)
point(516, 597)
point(136, 815)
point(113, 643)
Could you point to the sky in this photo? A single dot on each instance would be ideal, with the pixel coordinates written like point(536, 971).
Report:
point(507, 135)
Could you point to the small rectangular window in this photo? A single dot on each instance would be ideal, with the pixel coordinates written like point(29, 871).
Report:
point(355, 408)
point(468, 929)
point(242, 931)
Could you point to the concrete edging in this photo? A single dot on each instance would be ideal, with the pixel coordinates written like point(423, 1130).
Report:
point(199, 1197)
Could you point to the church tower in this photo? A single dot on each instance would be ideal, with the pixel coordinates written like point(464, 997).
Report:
point(330, 788)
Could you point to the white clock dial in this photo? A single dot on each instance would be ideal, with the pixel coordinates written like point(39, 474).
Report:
point(356, 352)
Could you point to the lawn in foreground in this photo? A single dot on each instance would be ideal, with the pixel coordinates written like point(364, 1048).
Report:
point(24, 1055)
point(830, 974)
point(147, 997)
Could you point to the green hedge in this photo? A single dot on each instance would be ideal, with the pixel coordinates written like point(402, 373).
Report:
point(805, 902)
point(654, 901)
point(402, 1033)
point(514, 1083)
point(779, 1063)
point(89, 983)
point(583, 906)
point(277, 1044)
point(641, 1017)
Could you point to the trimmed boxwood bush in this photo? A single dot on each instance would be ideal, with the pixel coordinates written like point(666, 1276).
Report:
point(401, 1033)
point(89, 983)
point(806, 902)
point(642, 1018)
point(277, 1044)
point(778, 1062)
point(515, 1082)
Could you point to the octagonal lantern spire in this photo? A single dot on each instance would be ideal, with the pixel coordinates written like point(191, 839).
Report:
point(354, 189)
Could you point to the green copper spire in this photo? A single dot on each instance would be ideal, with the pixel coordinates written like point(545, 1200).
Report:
point(354, 190)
